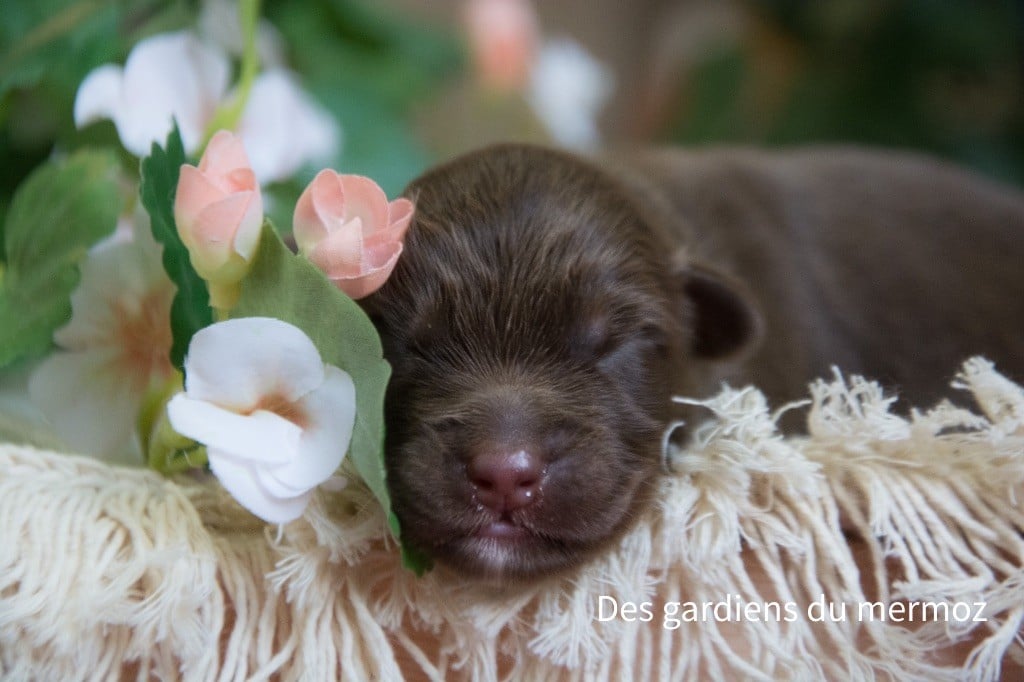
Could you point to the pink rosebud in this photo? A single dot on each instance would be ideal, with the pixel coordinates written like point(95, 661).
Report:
point(346, 227)
point(219, 213)
point(502, 42)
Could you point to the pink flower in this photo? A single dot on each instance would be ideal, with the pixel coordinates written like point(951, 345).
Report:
point(345, 225)
point(502, 42)
point(219, 213)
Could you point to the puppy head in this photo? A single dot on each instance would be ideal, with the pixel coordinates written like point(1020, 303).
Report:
point(535, 331)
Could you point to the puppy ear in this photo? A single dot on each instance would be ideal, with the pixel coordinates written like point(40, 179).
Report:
point(724, 318)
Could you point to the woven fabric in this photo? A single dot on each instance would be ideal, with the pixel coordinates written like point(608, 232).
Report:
point(109, 572)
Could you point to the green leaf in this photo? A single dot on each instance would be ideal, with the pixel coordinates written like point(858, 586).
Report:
point(56, 41)
point(60, 210)
point(413, 559)
point(290, 288)
point(190, 310)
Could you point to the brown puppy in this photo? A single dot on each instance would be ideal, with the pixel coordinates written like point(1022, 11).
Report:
point(894, 266)
point(546, 309)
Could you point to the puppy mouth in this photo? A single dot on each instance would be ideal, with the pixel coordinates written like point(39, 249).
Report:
point(504, 529)
point(505, 548)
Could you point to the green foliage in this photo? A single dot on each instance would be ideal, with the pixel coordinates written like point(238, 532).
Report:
point(47, 47)
point(370, 70)
point(942, 77)
point(190, 310)
point(54, 41)
point(290, 288)
point(61, 210)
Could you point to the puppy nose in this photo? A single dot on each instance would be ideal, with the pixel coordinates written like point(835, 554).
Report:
point(506, 481)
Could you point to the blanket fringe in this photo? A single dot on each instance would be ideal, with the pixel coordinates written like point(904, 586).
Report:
point(109, 572)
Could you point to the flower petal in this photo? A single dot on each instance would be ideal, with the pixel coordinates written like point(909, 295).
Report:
point(91, 406)
point(328, 199)
point(109, 280)
point(99, 94)
point(319, 205)
point(112, 349)
point(237, 362)
point(285, 128)
point(262, 437)
point(225, 154)
point(330, 412)
point(269, 113)
point(242, 481)
point(568, 87)
point(170, 76)
point(399, 215)
point(381, 255)
point(372, 278)
point(247, 236)
point(340, 254)
point(195, 192)
point(364, 199)
point(217, 227)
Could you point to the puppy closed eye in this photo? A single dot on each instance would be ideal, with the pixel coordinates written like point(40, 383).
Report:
point(601, 338)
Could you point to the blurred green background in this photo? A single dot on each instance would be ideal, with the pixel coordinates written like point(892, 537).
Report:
point(944, 76)
point(939, 75)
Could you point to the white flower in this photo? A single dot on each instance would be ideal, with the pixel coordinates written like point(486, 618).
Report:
point(167, 77)
point(284, 129)
point(276, 420)
point(177, 77)
point(115, 348)
point(568, 88)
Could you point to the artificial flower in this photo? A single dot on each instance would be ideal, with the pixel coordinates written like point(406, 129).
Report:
point(278, 105)
point(275, 419)
point(502, 36)
point(178, 77)
point(112, 352)
point(218, 210)
point(345, 225)
point(168, 77)
point(568, 88)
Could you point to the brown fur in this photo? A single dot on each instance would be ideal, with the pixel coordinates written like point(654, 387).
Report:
point(547, 304)
point(891, 265)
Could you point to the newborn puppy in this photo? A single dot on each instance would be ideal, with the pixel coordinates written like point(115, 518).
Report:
point(546, 308)
point(536, 326)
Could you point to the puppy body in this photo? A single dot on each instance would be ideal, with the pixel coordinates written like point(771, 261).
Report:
point(546, 308)
point(894, 266)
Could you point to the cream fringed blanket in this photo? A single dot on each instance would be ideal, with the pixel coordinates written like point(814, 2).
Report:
point(747, 570)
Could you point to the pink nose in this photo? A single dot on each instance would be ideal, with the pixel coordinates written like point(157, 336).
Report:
point(506, 481)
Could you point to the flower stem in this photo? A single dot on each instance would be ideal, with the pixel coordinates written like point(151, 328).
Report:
point(166, 450)
point(229, 114)
point(153, 404)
